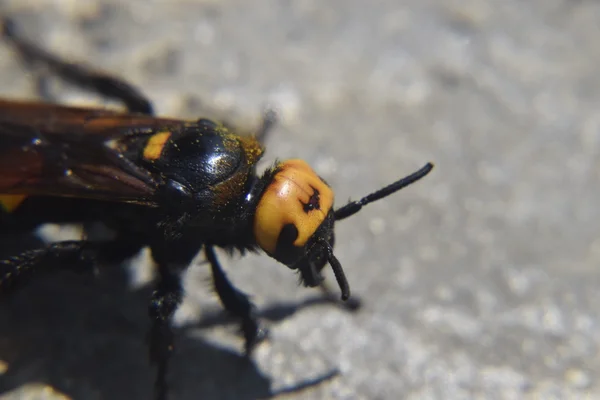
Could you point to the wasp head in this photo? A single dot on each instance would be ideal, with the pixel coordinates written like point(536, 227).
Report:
point(294, 220)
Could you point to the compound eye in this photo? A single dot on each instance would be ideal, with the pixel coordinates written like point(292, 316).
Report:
point(296, 196)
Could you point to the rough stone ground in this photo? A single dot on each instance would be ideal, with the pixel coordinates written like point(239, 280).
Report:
point(481, 281)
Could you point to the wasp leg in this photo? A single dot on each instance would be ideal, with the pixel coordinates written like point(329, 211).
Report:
point(236, 302)
point(105, 85)
point(173, 258)
point(72, 255)
point(166, 298)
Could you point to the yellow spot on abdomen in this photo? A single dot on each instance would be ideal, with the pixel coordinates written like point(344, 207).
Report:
point(10, 202)
point(155, 145)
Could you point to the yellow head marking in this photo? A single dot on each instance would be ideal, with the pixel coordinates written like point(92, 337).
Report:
point(10, 202)
point(296, 196)
point(155, 145)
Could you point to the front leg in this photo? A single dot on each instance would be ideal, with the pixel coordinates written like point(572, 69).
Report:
point(236, 302)
point(172, 257)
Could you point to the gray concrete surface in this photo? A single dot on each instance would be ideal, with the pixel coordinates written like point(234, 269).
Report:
point(481, 281)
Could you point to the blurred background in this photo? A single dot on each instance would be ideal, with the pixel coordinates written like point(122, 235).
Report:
point(481, 281)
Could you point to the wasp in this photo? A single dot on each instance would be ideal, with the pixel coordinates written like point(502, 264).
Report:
point(178, 187)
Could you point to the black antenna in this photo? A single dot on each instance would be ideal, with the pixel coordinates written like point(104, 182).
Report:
point(354, 206)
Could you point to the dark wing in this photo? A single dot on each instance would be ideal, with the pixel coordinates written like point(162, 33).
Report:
point(50, 150)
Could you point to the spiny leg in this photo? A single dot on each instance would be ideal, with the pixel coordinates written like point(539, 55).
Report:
point(73, 255)
point(105, 85)
point(236, 302)
point(173, 258)
point(69, 255)
point(166, 298)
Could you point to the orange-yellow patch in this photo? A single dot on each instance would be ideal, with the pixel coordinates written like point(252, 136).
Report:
point(10, 202)
point(155, 145)
point(283, 203)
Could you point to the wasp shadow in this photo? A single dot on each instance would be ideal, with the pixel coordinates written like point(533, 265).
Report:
point(84, 336)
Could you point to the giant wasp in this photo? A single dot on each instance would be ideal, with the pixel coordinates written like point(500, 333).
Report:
point(176, 186)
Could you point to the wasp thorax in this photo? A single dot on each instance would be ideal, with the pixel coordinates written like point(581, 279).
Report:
point(291, 209)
